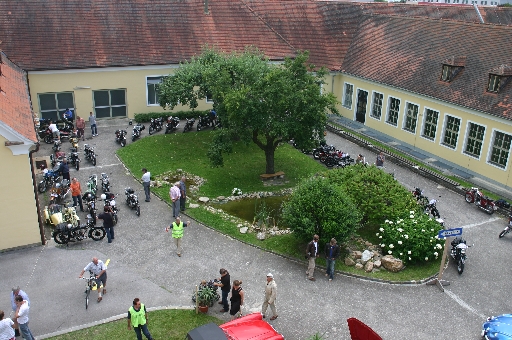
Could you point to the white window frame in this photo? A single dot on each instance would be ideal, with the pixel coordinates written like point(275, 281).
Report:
point(404, 121)
point(387, 111)
point(208, 100)
point(381, 106)
point(344, 93)
point(445, 121)
point(489, 149)
point(424, 122)
point(147, 92)
point(466, 137)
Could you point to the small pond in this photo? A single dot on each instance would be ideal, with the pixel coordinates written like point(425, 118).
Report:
point(247, 208)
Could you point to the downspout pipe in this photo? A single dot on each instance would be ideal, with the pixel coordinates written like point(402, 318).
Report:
point(36, 194)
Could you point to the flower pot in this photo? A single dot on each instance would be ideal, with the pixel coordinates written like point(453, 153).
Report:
point(203, 309)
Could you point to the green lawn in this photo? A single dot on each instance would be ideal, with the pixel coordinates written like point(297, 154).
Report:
point(163, 324)
point(187, 151)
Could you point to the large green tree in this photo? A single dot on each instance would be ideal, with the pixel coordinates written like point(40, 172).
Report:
point(256, 100)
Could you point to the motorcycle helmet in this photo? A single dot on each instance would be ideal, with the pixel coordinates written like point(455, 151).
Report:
point(103, 196)
point(57, 185)
point(112, 203)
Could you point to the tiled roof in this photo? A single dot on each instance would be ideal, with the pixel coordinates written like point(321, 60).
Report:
point(408, 53)
point(60, 34)
point(15, 108)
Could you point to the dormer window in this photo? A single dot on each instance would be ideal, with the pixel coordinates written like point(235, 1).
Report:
point(451, 67)
point(498, 78)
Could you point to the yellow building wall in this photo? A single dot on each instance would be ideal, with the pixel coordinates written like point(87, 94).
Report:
point(19, 225)
point(83, 82)
point(457, 155)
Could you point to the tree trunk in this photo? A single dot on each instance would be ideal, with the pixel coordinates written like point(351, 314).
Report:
point(269, 157)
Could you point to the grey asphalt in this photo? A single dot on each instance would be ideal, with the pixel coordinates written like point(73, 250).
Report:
point(143, 264)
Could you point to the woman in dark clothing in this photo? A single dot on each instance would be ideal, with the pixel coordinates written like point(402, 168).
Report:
point(237, 299)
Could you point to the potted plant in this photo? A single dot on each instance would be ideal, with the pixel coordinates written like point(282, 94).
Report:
point(206, 297)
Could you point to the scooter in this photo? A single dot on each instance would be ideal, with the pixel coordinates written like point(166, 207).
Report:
point(507, 228)
point(474, 195)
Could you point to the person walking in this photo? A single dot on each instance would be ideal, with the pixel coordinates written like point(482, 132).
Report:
point(332, 251)
point(76, 193)
point(380, 159)
point(64, 169)
point(225, 286)
point(312, 254)
point(22, 318)
point(108, 222)
point(177, 233)
point(99, 270)
point(237, 299)
point(270, 297)
point(138, 318)
point(183, 192)
point(15, 292)
point(146, 183)
point(80, 127)
point(92, 122)
point(55, 131)
point(174, 193)
point(6, 328)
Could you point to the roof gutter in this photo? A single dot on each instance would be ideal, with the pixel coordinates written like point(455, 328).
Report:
point(36, 194)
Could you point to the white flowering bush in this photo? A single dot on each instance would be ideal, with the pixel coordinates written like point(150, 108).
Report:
point(236, 192)
point(412, 239)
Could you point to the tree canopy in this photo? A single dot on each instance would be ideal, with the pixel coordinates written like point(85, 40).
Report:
point(256, 100)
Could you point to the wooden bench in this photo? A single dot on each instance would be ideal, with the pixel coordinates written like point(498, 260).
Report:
point(266, 177)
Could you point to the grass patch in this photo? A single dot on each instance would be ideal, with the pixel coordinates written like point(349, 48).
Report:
point(163, 324)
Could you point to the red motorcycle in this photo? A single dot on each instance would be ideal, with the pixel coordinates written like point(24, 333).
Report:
point(474, 195)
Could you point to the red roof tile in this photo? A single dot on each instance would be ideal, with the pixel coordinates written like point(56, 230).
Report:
point(15, 108)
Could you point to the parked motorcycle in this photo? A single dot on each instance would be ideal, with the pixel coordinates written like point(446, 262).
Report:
point(172, 124)
point(73, 158)
point(121, 137)
point(204, 122)
point(89, 154)
point(49, 178)
point(420, 198)
point(155, 125)
point(92, 184)
point(189, 124)
point(474, 195)
point(322, 149)
point(109, 200)
point(54, 214)
point(89, 198)
point(74, 142)
point(432, 209)
point(458, 252)
point(65, 233)
point(137, 130)
point(105, 183)
point(60, 190)
point(56, 145)
point(507, 228)
point(132, 200)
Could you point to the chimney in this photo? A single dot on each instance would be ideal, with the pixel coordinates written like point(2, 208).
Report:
point(206, 7)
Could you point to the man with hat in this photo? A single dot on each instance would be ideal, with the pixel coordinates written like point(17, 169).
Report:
point(270, 297)
point(17, 291)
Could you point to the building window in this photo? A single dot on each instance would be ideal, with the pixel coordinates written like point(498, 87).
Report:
point(53, 105)
point(209, 98)
point(153, 83)
point(411, 117)
point(394, 109)
point(430, 126)
point(475, 139)
point(110, 103)
point(377, 105)
point(451, 132)
point(500, 149)
point(347, 97)
point(494, 83)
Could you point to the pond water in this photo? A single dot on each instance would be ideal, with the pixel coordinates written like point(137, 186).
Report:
point(248, 207)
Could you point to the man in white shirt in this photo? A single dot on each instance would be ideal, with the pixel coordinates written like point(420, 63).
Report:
point(53, 128)
point(146, 182)
point(21, 316)
point(15, 292)
point(99, 270)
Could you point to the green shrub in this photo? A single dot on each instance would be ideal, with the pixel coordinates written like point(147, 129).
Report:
point(412, 239)
point(146, 117)
point(318, 207)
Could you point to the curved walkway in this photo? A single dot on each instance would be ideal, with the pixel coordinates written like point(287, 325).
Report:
point(143, 264)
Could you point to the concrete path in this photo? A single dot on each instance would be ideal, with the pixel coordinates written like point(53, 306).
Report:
point(143, 264)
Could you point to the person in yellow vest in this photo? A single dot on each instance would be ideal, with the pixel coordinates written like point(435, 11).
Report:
point(138, 318)
point(177, 233)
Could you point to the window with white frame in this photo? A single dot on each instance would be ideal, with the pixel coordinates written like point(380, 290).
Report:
point(430, 125)
point(209, 98)
point(500, 149)
point(110, 103)
point(347, 96)
point(377, 105)
point(393, 111)
point(153, 83)
point(475, 139)
point(451, 132)
point(53, 105)
point(411, 117)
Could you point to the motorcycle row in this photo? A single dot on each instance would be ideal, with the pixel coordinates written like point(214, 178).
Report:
point(332, 157)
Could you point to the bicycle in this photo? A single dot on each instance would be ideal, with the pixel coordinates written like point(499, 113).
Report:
point(90, 285)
